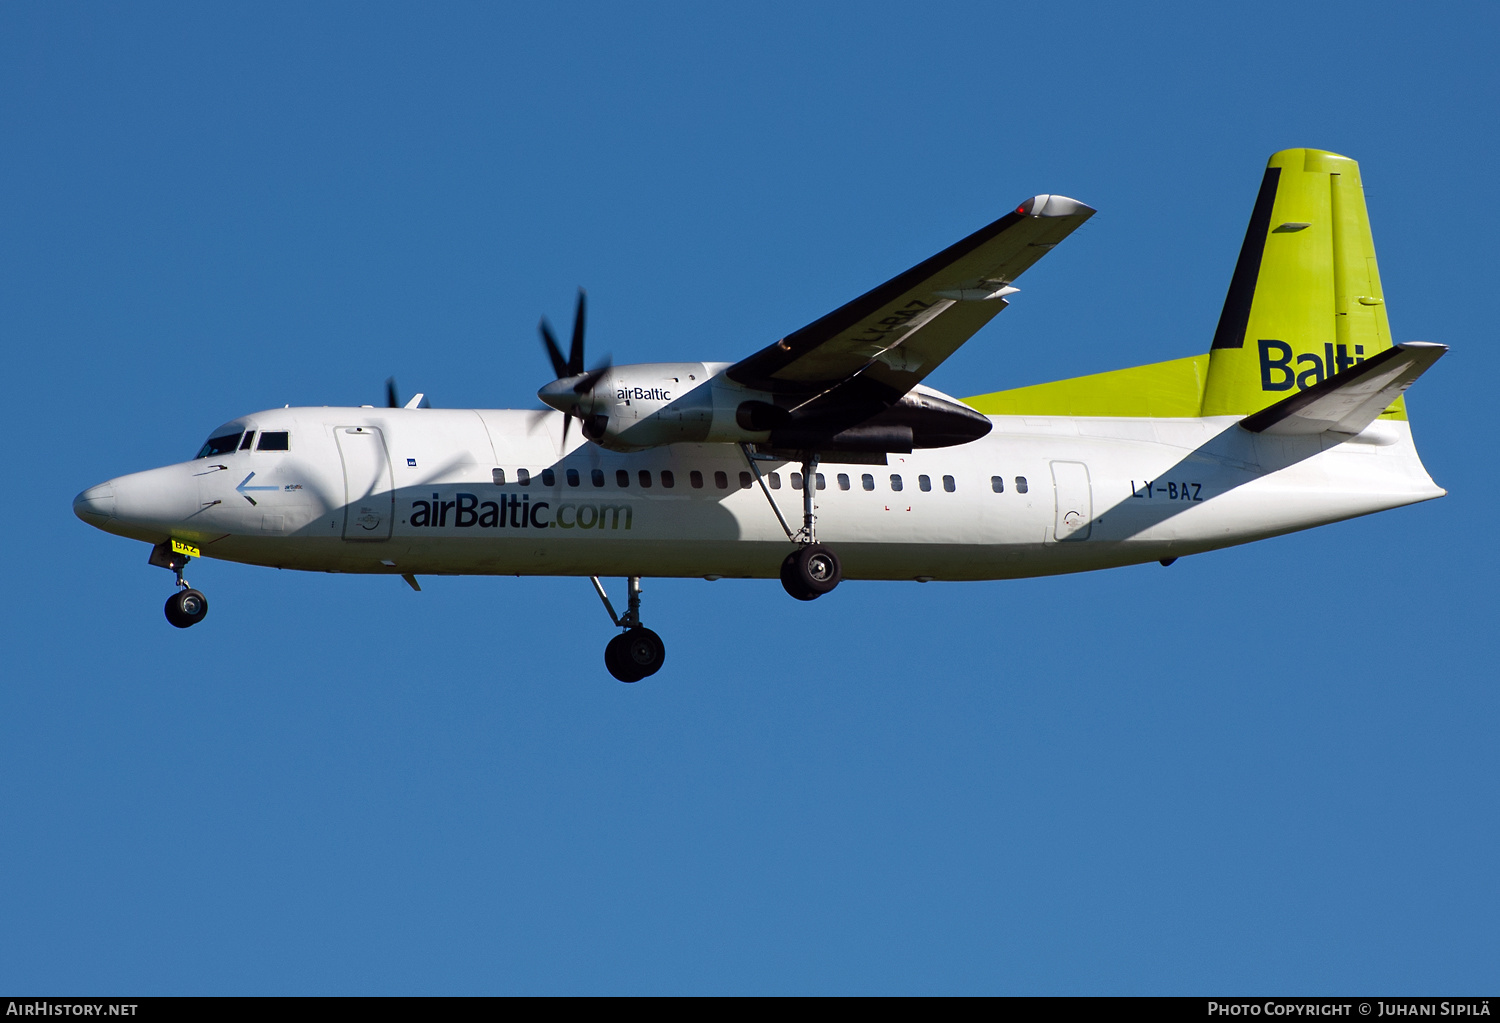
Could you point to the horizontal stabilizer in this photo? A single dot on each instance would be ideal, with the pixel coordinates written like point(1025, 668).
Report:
point(1349, 401)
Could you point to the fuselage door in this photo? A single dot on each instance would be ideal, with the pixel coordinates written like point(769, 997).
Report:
point(1075, 502)
point(369, 500)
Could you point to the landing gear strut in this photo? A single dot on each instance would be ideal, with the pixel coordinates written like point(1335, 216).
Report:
point(637, 652)
point(187, 606)
point(812, 569)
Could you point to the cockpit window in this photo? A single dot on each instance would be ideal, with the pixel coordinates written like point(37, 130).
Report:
point(273, 440)
point(220, 445)
point(249, 438)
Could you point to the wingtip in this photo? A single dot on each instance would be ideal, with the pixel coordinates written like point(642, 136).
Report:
point(1053, 206)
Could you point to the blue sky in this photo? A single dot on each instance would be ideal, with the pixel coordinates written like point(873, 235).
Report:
point(1269, 769)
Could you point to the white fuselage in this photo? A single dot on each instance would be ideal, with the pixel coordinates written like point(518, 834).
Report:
point(414, 491)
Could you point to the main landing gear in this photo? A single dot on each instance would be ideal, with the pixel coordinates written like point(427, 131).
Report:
point(812, 569)
point(637, 652)
point(187, 606)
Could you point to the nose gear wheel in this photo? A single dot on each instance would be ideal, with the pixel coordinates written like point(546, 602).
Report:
point(637, 652)
point(186, 608)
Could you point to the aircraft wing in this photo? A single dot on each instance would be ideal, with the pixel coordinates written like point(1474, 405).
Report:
point(890, 338)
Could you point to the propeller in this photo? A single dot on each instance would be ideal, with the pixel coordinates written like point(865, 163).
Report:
point(573, 365)
point(566, 393)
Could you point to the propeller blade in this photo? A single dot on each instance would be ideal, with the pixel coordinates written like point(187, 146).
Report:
point(573, 366)
point(592, 377)
point(575, 354)
point(391, 401)
point(559, 364)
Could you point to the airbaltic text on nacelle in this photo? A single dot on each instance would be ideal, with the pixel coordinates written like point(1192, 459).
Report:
point(643, 394)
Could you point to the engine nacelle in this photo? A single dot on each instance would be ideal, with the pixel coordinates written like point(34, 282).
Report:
point(645, 405)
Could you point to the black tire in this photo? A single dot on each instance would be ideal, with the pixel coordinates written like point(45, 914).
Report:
point(186, 608)
point(641, 653)
point(810, 572)
point(614, 660)
point(791, 582)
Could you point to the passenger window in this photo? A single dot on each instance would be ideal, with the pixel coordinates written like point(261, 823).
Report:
point(549, 478)
point(523, 477)
point(274, 440)
point(843, 481)
point(949, 485)
point(721, 480)
point(645, 477)
point(622, 478)
point(796, 481)
point(775, 479)
point(596, 477)
point(925, 483)
point(997, 484)
point(498, 475)
point(572, 477)
point(245, 444)
point(867, 481)
point(667, 479)
point(821, 482)
point(746, 481)
point(1020, 484)
point(696, 479)
point(895, 482)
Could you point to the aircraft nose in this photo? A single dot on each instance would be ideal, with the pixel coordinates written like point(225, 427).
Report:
point(96, 505)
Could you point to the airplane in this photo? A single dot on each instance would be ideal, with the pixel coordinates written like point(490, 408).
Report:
point(1293, 418)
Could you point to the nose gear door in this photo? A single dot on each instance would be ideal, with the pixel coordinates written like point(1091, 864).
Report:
point(369, 500)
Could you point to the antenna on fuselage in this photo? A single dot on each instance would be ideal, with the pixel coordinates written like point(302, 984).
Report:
point(393, 400)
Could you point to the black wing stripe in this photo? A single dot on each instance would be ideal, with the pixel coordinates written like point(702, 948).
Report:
point(757, 368)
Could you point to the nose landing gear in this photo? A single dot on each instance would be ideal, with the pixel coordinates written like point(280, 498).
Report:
point(187, 606)
point(637, 652)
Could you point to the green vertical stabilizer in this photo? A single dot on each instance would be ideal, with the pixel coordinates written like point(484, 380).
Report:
point(1305, 299)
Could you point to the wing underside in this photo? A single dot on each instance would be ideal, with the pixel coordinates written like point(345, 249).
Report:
point(882, 344)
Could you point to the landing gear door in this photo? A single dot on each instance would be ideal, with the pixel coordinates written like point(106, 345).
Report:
point(1075, 502)
point(369, 500)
